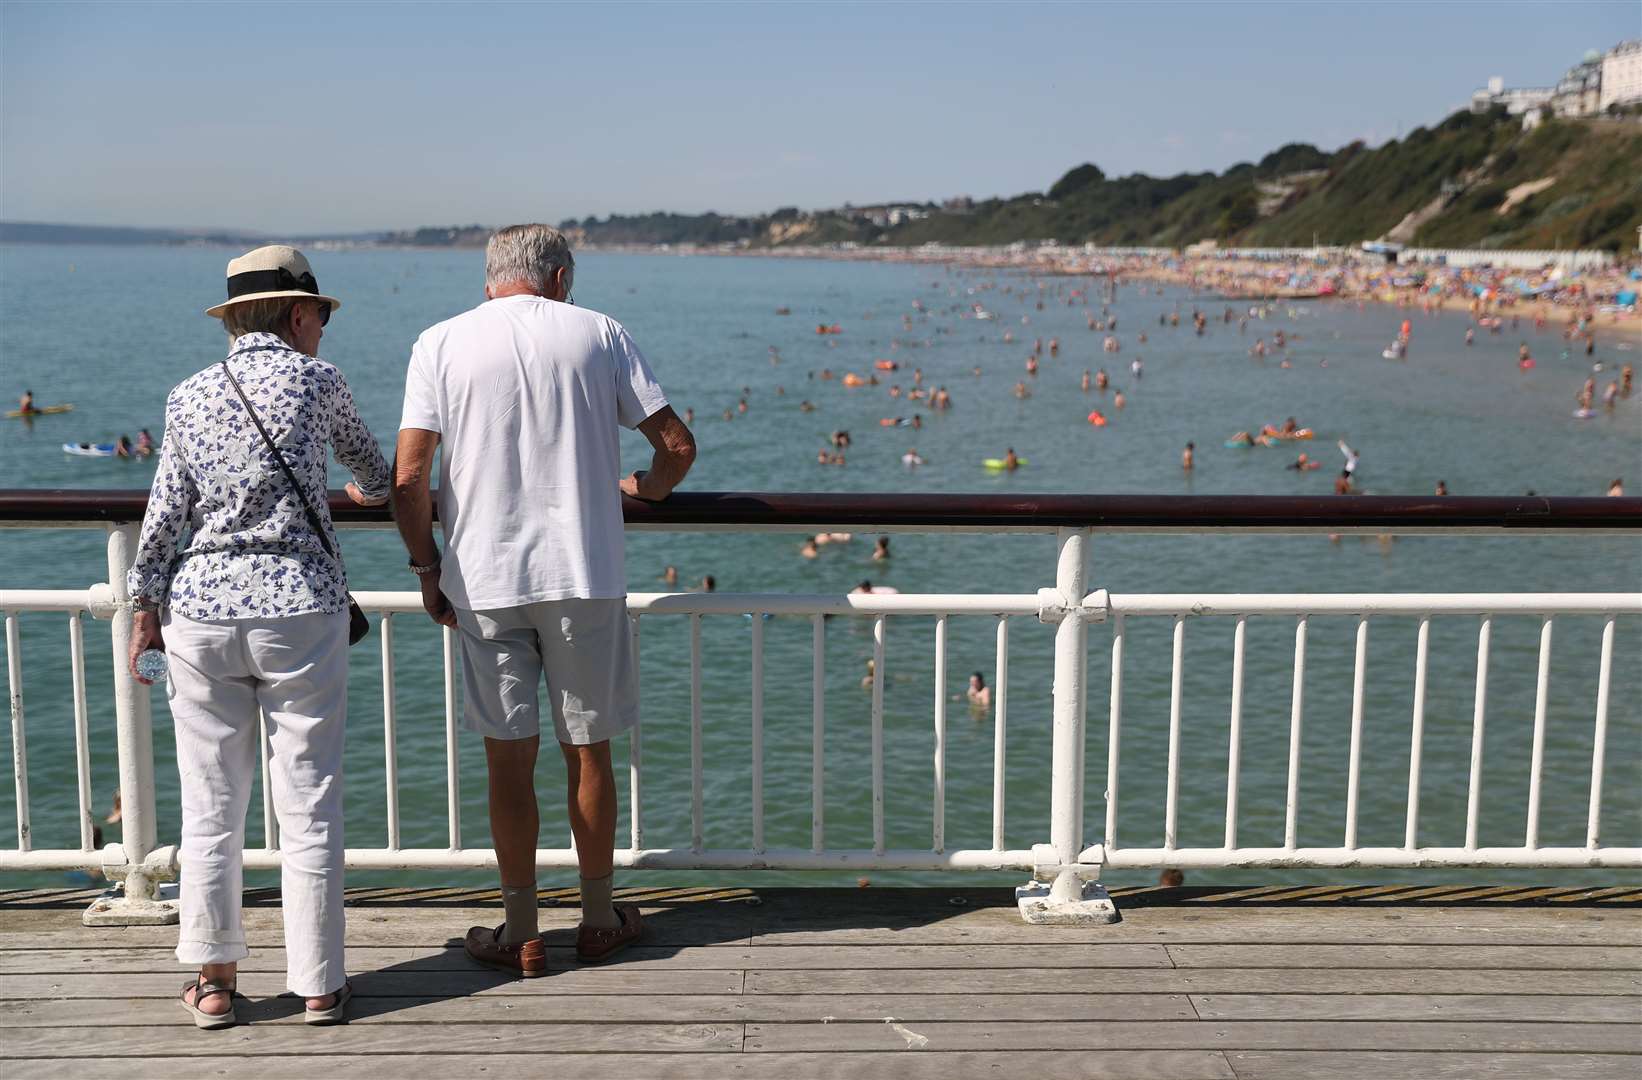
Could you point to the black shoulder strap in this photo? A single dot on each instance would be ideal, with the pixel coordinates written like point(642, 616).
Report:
point(313, 518)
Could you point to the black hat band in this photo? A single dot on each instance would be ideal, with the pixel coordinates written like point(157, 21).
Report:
point(277, 280)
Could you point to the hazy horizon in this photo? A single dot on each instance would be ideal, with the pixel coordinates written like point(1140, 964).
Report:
point(361, 118)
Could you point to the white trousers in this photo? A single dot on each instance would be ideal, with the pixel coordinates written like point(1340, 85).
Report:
point(295, 669)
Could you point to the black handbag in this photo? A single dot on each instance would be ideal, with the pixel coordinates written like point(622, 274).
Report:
point(358, 625)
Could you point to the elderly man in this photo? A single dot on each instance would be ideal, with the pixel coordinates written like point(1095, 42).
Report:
point(523, 396)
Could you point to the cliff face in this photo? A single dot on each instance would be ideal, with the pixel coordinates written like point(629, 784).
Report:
point(1474, 180)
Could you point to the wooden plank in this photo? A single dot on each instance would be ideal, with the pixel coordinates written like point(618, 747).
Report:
point(636, 1008)
point(1335, 926)
point(1563, 1008)
point(1088, 1065)
point(649, 957)
point(704, 924)
point(1206, 981)
point(593, 980)
point(264, 1039)
point(1166, 1035)
point(1392, 1065)
point(1538, 957)
point(111, 961)
point(408, 926)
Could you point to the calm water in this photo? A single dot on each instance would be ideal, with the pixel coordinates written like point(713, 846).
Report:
point(113, 329)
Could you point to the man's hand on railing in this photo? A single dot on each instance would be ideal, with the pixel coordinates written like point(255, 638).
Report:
point(434, 601)
point(145, 635)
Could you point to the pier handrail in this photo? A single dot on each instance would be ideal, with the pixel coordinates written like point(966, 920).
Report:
point(1066, 868)
point(987, 512)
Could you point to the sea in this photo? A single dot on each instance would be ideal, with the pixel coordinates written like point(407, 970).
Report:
point(112, 329)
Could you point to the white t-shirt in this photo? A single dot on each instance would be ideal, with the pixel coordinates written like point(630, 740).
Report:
point(526, 395)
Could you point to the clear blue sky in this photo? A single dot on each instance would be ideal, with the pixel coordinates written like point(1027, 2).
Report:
point(291, 117)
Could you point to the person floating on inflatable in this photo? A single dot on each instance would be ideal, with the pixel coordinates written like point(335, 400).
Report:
point(1097, 419)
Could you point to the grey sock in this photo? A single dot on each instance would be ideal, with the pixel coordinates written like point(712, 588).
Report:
point(519, 901)
point(597, 911)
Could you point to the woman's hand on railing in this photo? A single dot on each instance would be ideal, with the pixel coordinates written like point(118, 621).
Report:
point(434, 601)
point(360, 498)
point(145, 635)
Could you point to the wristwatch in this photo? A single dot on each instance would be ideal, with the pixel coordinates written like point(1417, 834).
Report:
point(420, 570)
point(151, 607)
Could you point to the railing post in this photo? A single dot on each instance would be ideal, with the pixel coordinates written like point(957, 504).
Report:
point(1072, 894)
point(144, 865)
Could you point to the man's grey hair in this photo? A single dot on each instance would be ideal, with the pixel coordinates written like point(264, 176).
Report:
point(528, 255)
point(270, 316)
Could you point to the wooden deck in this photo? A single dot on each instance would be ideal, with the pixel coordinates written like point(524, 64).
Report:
point(895, 983)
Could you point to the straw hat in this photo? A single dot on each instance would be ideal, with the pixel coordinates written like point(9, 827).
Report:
point(269, 272)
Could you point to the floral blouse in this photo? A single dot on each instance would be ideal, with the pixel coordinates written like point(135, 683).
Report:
point(250, 552)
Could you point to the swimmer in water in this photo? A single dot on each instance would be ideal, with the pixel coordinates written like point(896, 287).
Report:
point(1342, 483)
point(1442, 487)
point(880, 551)
point(1086, 380)
point(1118, 400)
point(809, 550)
point(912, 459)
point(1010, 461)
point(1021, 391)
point(25, 404)
point(1136, 367)
point(1187, 456)
point(670, 575)
point(1102, 380)
point(978, 693)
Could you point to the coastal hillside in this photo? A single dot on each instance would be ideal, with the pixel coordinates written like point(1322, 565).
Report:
point(1474, 180)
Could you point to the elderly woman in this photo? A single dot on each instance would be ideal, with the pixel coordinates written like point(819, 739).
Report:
point(252, 611)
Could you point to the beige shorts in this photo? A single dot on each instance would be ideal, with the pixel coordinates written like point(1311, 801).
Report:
point(584, 647)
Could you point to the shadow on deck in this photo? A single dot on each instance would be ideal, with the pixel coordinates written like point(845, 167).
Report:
point(1273, 982)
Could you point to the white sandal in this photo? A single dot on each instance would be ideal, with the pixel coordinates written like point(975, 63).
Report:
point(203, 1020)
point(333, 1014)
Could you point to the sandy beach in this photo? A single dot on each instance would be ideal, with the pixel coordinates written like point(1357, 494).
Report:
point(1581, 301)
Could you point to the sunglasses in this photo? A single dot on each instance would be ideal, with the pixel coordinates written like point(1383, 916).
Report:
point(324, 313)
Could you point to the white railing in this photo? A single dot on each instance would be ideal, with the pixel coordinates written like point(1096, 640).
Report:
point(1066, 864)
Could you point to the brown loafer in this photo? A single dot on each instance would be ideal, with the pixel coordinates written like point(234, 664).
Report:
point(594, 943)
point(527, 959)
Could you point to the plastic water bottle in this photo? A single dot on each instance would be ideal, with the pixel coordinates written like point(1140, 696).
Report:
point(152, 665)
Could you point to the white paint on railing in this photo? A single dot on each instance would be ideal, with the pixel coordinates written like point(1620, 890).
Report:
point(82, 727)
point(1291, 812)
point(1536, 765)
point(879, 677)
point(938, 827)
point(19, 740)
point(1416, 748)
point(1065, 860)
point(758, 734)
point(818, 727)
point(1354, 766)
point(1473, 797)
point(390, 732)
point(1234, 749)
point(1599, 740)
point(1000, 738)
point(1171, 799)
point(1067, 741)
point(1114, 732)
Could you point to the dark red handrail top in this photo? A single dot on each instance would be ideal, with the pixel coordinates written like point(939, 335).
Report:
point(800, 509)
